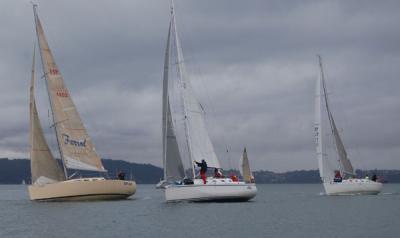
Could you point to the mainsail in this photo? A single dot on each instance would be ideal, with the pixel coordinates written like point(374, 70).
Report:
point(76, 148)
point(322, 111)
point(246, 172)
point(44, 168)
point(197, 139)
point(173, 167)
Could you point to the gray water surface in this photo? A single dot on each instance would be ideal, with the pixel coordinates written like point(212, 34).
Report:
point(277, 211)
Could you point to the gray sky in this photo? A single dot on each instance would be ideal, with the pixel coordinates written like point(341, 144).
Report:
point(252, 64)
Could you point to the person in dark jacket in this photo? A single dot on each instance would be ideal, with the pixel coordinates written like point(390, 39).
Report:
point(203, 169)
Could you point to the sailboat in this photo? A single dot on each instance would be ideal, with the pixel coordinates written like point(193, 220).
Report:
point(335, 168)
point(245, 169)
point(179, 184)
point(49, 181)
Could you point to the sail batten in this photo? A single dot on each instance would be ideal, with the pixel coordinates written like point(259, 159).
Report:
point(72, 138)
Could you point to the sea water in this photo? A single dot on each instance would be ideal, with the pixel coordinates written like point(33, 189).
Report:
point(277, 211)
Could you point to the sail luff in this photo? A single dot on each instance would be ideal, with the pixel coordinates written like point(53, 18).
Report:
point(43, 43)
point(344, 163)
point(197, 138)
point(182, 72)
point(173, 166)
point(326, 173)
point(76, 148)
point(246, 172)
point(44, 168)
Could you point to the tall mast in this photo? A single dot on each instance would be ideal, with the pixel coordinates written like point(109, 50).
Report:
point(48, 93)
point(183, 84)
point(330, 117)
point(165, 101)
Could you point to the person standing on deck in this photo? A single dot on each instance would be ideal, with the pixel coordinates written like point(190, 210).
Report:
point(203, 169)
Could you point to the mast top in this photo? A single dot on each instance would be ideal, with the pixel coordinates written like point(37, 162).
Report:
point(172, 7)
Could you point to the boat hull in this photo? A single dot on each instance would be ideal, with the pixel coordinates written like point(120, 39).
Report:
point(211, 192)
point(353, 187)
point(83, 190)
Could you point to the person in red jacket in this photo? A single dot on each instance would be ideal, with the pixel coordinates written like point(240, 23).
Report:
point(203, 169)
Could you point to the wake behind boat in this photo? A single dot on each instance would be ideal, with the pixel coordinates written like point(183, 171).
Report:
point(49, 181)
point(335, 168)
point(193, 138)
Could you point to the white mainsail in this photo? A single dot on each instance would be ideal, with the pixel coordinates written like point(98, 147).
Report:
point(325, 132)
point(197, 139)
point(44, 168)
point(76, 148)
point(246, 172)
point(173, 166)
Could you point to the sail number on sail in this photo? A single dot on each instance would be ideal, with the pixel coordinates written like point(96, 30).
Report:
point(53, 71)
point(62, 93)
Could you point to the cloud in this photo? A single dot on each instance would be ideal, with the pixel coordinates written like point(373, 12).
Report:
point(252, 66)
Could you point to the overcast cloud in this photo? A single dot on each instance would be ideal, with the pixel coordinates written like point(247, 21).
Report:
point(252, 64)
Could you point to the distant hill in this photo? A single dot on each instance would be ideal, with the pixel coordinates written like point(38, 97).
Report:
point(16, 170)
point(312, 176)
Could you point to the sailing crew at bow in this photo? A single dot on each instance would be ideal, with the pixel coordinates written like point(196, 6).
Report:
point(203, 169)
point(338, 178)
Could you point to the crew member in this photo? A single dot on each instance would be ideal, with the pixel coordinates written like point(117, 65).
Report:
point(217, 173)
point(338, 178)
point(203, 169)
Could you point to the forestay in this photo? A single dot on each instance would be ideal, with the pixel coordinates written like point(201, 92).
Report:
point(76, 147)
point(44, 168)
point(197, 139)
point(324, 133)
point(173, 167)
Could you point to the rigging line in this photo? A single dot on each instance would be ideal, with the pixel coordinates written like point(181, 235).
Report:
point(208, 100)
point(330, 117)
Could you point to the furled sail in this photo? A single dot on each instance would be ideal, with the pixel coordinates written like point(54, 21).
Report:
point(198, 141)
point(44, 168)
point(173, 167)
point(76, 147)
point(246, 172)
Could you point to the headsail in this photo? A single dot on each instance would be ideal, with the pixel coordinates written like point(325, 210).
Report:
point(76, 147)
point(173, 167)
point(44, 168)
point(198, 141)
point(323, 112)
point(246, 172)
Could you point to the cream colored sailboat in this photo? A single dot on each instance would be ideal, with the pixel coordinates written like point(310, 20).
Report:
point(49, 181)
point(245, 169)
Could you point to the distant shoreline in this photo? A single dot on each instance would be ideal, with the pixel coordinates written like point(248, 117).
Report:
point(15, 171)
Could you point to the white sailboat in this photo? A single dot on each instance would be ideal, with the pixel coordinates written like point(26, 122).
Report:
point(195, 139)
point(49, 181)
point(335, 168)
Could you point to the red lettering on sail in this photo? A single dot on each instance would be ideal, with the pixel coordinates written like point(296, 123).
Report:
point(53, 71)
point(62, 93)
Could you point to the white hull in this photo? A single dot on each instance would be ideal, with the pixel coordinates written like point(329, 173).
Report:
point(353, 187)
point(223, 190)
point(83, 189)
point(162, 184)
